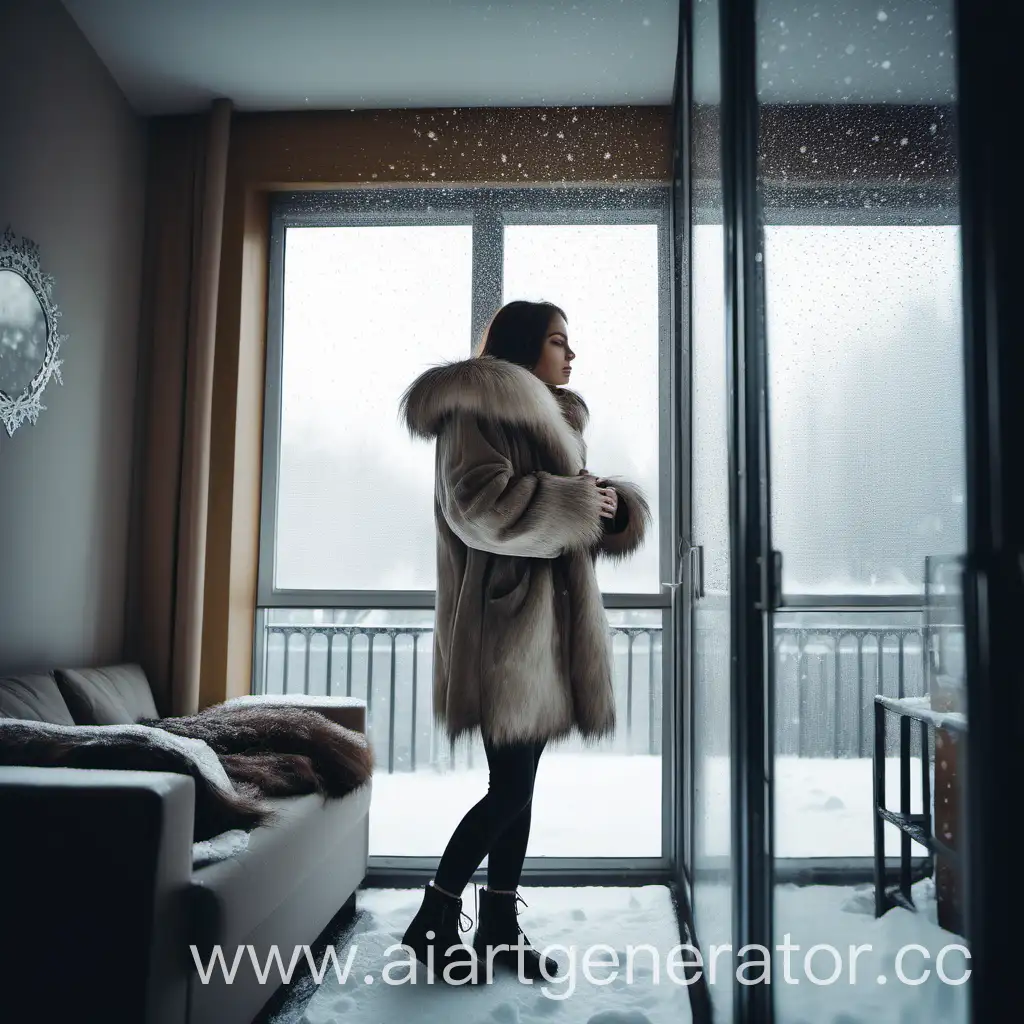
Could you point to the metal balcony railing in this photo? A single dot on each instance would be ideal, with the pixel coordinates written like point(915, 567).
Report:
point(826, 678)
point(390, 668)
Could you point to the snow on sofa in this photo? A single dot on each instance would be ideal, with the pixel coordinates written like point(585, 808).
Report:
point(104, 892)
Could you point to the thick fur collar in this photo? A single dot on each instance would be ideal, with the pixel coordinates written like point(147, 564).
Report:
point(497, 390)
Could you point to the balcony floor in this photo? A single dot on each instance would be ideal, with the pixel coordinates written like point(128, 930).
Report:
point(609, 805)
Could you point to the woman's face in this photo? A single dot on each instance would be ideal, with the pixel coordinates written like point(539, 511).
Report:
point(555, 357)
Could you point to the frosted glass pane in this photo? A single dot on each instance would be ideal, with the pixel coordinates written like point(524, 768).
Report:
point(866, 401)
point(712, 710)
point(605, 277)
point(365, 310)
point(710, 408)
point(711, 661)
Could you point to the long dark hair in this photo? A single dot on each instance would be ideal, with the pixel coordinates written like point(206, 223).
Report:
point(516, 332)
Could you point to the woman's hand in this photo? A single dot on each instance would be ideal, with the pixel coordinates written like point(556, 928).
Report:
point(610, 497)
point(611, 502)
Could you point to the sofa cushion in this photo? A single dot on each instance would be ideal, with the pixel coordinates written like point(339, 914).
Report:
point(112, 695)
point(33, 698)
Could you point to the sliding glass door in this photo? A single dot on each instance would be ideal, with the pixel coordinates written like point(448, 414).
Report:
point(869, 228)
point(860, 252)
point(842, 384)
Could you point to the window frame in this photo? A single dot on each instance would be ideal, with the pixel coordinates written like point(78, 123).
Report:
point(488, 211)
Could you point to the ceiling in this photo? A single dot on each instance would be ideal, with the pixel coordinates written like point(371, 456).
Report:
point(174, 56)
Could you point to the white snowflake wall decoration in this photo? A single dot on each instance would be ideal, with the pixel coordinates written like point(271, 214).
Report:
point(21, 256)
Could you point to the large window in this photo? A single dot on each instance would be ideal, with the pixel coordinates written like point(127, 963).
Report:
point(367, 290)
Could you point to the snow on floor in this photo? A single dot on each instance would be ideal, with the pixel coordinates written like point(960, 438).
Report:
point(629, 918)
point(577, 918)
point(843, 918)
point(609, 805)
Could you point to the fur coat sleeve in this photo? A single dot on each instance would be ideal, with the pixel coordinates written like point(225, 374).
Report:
point(490, 508)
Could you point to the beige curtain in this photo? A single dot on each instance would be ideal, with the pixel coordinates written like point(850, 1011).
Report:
point(181, 271)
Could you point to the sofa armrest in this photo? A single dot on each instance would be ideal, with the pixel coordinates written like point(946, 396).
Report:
point(347, 711)
point(94, 867)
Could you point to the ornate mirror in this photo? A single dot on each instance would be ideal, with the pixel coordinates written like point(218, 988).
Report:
point(29, 341)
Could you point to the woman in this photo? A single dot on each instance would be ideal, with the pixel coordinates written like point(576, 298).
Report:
point(521, 642)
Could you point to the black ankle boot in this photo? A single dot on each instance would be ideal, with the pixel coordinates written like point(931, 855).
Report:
point(435, 928)
point(498, 925)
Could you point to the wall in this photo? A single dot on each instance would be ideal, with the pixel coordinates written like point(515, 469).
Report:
point(71, 179)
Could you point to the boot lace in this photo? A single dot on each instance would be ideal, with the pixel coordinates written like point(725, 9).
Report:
point(519, 899)
point(463, 914)
point(515, 904)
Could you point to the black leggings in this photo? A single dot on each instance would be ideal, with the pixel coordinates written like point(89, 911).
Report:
point(498, 826)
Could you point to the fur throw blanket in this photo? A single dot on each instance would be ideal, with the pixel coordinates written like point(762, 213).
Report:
point(236, 755)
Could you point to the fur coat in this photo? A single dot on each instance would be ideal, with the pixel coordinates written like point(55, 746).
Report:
point(522, 648)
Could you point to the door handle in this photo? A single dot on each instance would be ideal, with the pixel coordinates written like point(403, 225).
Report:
point(697, 570)
point(696, 555)
point(775, 584)
point(678, 582)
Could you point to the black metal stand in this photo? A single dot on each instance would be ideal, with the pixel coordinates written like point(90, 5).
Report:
point(913, 827)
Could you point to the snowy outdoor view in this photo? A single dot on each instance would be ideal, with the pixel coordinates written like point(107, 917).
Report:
point(867, 482)
point(369, 308)
point(864, 375)
point(864, 370)
point(356, 493)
